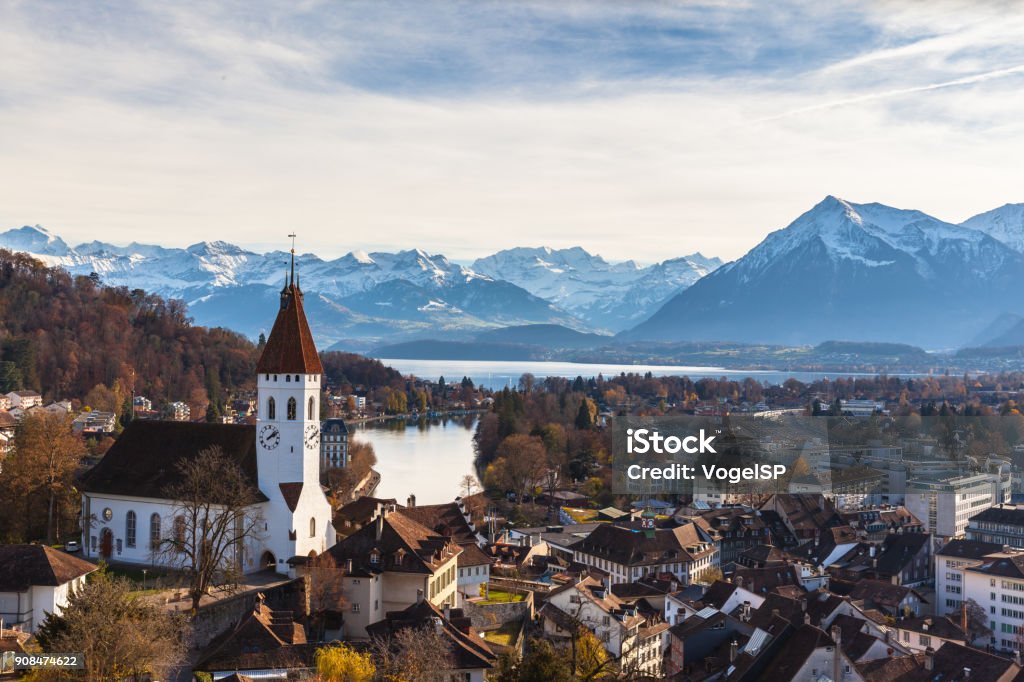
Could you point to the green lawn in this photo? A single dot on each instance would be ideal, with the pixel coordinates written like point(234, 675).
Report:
point(505, 635)
point(502, 597)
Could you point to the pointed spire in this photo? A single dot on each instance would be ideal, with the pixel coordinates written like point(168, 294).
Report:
point(292, 280)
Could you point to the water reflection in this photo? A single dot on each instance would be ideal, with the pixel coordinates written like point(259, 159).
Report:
point(426, 456)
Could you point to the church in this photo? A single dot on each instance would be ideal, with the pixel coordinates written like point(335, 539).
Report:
point(125, 514)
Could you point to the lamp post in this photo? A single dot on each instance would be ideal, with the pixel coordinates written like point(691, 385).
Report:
point(144, 580)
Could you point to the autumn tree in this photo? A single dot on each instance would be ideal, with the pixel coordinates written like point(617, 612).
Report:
point(324, 590)
point(520, 463)
point(214, 518)
point(540, 663)
point(121, 636)
point(342, 663)
point(39, 472)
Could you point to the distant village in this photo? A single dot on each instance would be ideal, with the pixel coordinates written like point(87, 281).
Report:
point(230, 543)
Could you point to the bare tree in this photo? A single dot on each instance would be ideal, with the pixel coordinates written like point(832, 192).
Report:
point(423, 654)
point(214, 517)
point(325, 589)
point(122, 637)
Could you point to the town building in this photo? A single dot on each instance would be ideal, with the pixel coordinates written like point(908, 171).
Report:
point(997, 585)
point(391, 563)
point(36, 580)
point(179, 411)
point(24, 399)
point(1001, 524)
point(471, 655)
point(333, 444)
point(127, 515)
point(945, 504)
point(627, 554)
point(635, 642)
point(950, 562)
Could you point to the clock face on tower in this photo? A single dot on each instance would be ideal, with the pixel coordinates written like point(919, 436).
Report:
point(270, 437)
point(312, 436)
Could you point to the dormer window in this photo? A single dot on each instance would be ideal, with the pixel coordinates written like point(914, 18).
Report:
point(375, 557)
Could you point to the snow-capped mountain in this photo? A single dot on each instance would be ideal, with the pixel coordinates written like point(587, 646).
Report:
point(612, 296)
point(359, 296)
point(1005, 223)
point(855, 272)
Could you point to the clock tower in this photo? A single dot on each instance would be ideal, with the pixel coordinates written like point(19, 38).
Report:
point(288, 385)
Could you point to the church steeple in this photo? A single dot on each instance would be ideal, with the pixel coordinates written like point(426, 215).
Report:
point(290, 348)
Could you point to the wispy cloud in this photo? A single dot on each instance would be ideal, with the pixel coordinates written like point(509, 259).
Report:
point(635, 130)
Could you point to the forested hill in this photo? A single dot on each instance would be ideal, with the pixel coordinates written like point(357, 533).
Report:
point(70, 337)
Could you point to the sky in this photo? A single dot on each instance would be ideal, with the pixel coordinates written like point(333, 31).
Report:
point(639, 131)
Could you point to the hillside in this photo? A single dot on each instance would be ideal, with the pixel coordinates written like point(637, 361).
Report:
point(68, 336)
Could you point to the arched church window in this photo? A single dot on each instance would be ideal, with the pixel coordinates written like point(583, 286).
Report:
point(271, 409)
point(154, 532)
point(291, 408)
point(287, 377)
point(309, 411)
point(179, 529)
point(129, 529)
point(312, 527)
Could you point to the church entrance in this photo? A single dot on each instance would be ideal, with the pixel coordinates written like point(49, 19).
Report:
point(106, 543)
point(268, 562)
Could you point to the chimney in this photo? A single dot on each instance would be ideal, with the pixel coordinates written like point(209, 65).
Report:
point(419, 596)
point(837, 635)
point(745, 613)
point(738, 580)
point(380, 526)
point(348, 566)
point(929, 659)
point(447, 611)
point(871, 551)
point(733, 650)
point(411, 501)
point(967, 673)
point(807, 619)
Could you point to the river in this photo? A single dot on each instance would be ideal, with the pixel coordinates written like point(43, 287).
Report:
point(427, 458)
point(501, 373)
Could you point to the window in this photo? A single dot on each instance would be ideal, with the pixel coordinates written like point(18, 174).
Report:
point(287, 377)
point(355, 608)
point(291, 408)
point(271, 409)
point(154, 531)
point(309, 410)
point(129, 529)
point(312, 527)
point(179, 529)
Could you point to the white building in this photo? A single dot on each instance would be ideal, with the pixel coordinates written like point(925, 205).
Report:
point(626, 635)
point(950, 563)
point(945, 505)
point(392, 563)
point(36, 580)
point(24, 399)
point(997, 584)
point(686, 552)
point(126, 513)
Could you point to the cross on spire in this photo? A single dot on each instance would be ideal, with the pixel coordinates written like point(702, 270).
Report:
point(292, 279)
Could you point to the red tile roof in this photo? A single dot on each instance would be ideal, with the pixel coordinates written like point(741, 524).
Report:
point(290, 348)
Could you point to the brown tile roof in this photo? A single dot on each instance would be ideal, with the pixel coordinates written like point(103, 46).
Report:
point(264, 639)
point(403, 546)
point(290, 348)
point(445, 519)
point(7, 420)
point(632, 547)
point(291, 493)
point(143, 461)
point(969, 549)
point(949, 664)
point(470, 651)
point(472, 555)
point(794, 653)
point(22, 566)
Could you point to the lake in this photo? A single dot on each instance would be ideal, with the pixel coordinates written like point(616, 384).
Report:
point(427, 458)
point(501, 373)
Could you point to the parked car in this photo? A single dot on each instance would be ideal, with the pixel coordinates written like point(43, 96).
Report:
point(72, 546)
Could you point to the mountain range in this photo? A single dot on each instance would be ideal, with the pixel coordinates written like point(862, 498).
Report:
point(361, 299)
point(841, 270)
point(857, 272)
